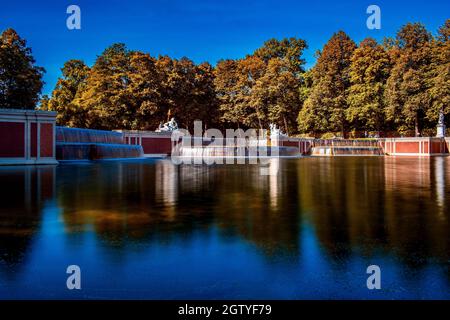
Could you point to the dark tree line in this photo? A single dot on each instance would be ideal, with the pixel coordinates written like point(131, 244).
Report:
point(400, 85)
point(20, 80)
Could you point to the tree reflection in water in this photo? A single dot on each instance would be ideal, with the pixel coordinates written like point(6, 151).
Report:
point(334, 210)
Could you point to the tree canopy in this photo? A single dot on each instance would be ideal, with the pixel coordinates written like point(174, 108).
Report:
point(399, 86)
point(325, 108)
point(20, 79)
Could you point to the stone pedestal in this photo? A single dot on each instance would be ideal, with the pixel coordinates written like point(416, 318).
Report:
point(440, 133)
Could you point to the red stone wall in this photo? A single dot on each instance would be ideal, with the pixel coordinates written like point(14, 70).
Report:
point(437, 147)
point(415, 146)
point(289, 143)
point(304, 146)
point(46, 140)
point(157, 145)
point(26, 137)
point(33, 139)
point(407, 147)
point(12, 139)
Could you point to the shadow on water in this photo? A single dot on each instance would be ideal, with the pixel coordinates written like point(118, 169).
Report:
point(23, 193)
point(139, 202)
point(397, 205)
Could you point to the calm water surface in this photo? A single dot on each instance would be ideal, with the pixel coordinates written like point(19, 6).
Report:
point(149, 229)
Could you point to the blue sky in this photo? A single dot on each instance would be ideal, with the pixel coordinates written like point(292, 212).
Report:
point(203, 30)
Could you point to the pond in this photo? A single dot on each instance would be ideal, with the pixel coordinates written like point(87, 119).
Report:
point(153, 230)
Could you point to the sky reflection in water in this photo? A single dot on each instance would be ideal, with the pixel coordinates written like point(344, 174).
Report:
point(149, 229)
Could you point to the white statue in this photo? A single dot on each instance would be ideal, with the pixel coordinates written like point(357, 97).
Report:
point(441, 118)
point(441, 125)
point(168, 126)
point(275, 131)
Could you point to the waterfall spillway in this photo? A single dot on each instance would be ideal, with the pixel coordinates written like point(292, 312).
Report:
point(88, 144)
point(336, 147)
point(231, 148)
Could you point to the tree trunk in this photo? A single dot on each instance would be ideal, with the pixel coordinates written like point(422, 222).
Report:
point(416, 125)
point(344, 135)
point(285, 125)
point(259, 119)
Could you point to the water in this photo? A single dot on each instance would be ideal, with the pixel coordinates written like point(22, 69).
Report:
point(78, 135)
point(148, 229)
point(86, 144)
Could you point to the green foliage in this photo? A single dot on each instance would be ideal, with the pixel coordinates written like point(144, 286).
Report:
point(67, 89)
point(20, 80)
point(402, 84)
point(440, 74)
point(325, 108)
point(276, 96)
point(408, 96)
point(187, 91)
point(328, 136)
point(369, 70)
point(131, 90)
point(264, 87)
point(235, 81)
point(105, 99)
point(290, 50)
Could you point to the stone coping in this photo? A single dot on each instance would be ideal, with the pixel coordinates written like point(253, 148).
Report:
point(27, 111)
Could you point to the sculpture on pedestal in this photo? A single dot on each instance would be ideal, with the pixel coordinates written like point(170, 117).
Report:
point(275, 131)
point(168, 126)
point(275, 134)
point(441, 126)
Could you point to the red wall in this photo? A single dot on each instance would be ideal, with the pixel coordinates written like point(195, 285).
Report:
point(437, 147)
point(12, 139)
point(46, 140)
point(304, 146)
point(33, 138)
point(426, 146)
point(26, 137)
point(290, 143)
point(157, 145)
point(407, 147)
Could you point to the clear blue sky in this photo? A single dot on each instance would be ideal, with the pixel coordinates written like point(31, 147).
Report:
point(203, 30)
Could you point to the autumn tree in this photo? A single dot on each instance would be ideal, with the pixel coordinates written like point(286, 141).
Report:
point(249, 71)
point(143, 91)
point(407, 91)
point(263, 87)
point(234, 84)
point(405, 80)
point(225, 82)
point(43, 103)
point(277, 94)
point(20, 79)
point(205, 96)
point(68, 88)
point(187, 91)
point(106, 98)
point(369, 71)
point(440, 84)
point(325, 108)
point(288, 49)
